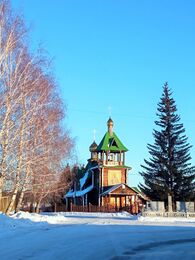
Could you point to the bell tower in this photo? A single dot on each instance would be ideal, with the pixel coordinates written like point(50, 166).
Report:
point(111, 154)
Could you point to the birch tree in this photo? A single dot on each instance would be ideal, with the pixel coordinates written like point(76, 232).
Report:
point(33, 143)
point(12, 34)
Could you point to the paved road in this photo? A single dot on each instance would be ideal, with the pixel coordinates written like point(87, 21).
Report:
point(98, 239)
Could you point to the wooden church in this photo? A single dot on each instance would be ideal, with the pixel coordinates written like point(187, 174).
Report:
point(105, 180)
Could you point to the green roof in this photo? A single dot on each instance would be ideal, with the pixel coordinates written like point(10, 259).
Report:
point(111, 143)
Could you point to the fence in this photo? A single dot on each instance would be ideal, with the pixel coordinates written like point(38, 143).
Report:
point(169, 214)
point(133, 209)
point(106, 209)
point(92, 208)
point(4, 203)
point(87, 208)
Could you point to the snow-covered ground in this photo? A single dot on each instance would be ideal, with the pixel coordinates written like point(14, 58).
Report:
point(95, 236)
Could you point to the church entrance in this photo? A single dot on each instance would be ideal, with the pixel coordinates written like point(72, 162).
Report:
point(119, 202)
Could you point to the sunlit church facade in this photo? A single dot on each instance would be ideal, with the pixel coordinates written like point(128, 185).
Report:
point(105, 182)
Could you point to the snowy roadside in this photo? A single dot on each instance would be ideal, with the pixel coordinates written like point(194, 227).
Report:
point(25, 219)
point(167, 221)
point(84, 236)
point(181, 221)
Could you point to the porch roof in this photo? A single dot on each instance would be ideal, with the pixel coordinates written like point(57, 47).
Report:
point(125, 190)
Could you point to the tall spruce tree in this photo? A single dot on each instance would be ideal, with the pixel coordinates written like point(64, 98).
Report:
point(169, 170)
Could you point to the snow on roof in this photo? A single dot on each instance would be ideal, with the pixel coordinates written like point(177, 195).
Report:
point(83, 179)
point(81, 192)
point(112, 188)
point(69, 194)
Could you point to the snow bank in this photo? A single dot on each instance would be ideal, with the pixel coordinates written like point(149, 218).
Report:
point(11, 223)
point(123, 214)
point(55, 218)
point(25, 219)
point(166, 220)
point(69, 217)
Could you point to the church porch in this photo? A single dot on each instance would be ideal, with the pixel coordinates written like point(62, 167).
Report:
point(121, 197)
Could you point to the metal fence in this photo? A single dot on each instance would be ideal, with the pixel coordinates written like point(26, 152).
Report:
point(169, 214)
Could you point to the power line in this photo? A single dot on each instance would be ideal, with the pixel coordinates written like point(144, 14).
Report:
point(122, 115)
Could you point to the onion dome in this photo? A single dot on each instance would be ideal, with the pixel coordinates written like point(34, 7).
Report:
point(110, 124)
point(93, 147)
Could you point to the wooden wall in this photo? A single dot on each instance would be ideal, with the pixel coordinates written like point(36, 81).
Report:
point(121, 172)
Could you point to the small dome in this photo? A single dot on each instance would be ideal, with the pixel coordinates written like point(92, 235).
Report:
point(93, 147)
point(110, 121)
point(110, 125)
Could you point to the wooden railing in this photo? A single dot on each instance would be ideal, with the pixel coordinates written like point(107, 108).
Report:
point(112, 163)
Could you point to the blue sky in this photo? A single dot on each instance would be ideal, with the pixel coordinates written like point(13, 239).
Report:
point(118, 54)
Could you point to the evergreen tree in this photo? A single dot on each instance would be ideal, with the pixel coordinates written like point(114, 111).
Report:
point(169, 170)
